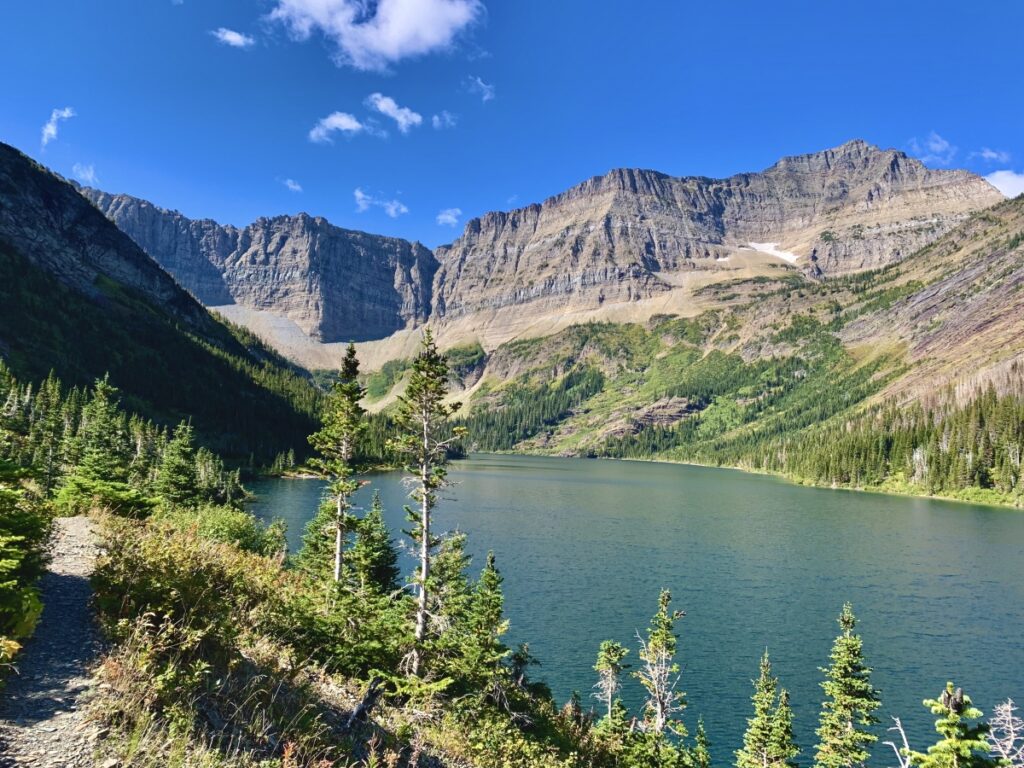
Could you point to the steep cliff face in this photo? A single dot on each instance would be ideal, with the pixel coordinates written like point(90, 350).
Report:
point(622, 247)
point(633, 234)
point(334, 284)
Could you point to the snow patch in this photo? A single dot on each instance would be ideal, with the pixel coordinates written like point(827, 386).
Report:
point(772, 249)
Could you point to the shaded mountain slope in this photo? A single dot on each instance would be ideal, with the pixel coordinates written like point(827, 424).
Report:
point(80, 298)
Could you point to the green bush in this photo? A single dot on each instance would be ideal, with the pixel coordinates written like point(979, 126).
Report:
point(24, 531)
point(227, 525)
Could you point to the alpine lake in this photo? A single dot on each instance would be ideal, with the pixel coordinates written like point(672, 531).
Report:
point(755, 562)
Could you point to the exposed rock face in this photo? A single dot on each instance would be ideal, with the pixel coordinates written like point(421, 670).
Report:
point(632, 234)
point(618, 247)
point(335, 284)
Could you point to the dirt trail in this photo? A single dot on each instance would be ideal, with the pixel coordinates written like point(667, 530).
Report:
point(42, 722)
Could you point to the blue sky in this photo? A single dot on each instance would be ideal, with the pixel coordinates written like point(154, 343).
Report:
point(233, 110)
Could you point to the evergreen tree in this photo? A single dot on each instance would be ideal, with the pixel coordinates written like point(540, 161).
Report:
point(757, 741)
point(659, 673)
point(102, 450)
point(609, 667)
point(700, 755)
point(336, 441)
point(963, 744)
point(105, 448)
point(176, 479)
point(373, 557)
point(782, 749)
point(423, 443)
point(482, 650)
point(850, 704)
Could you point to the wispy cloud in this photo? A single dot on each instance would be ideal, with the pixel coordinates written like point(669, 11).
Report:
point(933, 149)
point(372, 36)
point(443, 119)
point(85, 173)
point(449, 217)
point(292, 185)
point(50, 128)
point(387, 106)
point(393, 208)
point(233, 38)
point(477, 86)
point(990, 155)
point(1009, 183)
point(322, 132)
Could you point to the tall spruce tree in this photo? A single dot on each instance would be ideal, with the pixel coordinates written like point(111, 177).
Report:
point(425, 437)
point(373, 557)
point(851, 700)
point(336, 442)
point(963, 743)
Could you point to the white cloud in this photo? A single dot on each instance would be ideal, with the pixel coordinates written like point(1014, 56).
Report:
point(292, 185)
point(232, 38)
point(449, 217)
point(991, 155)
point(484, 90)
point(387, 106)
point(443, 119)
point(393, 208)
point(85, 173)
point(933, 149)
point(50, 129)
point(1009, 183)
point(371, 36)
point(336, 121)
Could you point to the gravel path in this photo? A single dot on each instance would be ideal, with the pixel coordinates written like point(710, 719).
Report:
point(41, 714)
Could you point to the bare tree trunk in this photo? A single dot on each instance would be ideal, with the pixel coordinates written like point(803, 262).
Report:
point(421, 609)
point(338, 540)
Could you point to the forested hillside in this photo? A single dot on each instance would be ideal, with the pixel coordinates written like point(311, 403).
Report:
point(82, 300)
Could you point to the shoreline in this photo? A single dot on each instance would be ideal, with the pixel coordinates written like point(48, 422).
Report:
point(879, 491)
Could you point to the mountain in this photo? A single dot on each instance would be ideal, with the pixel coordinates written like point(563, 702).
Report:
point(335, 285)
point(624, 247)
point(80, 298)
point(643, 238)
point(909, 377)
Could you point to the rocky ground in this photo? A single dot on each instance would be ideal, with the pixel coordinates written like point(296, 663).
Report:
point(42, 719)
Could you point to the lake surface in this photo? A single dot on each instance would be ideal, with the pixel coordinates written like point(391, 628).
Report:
point(755, 562)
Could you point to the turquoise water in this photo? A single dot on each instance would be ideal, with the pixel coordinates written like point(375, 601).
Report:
point(755, 562)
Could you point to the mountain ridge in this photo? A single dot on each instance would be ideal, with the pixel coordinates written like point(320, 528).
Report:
point(624, 245)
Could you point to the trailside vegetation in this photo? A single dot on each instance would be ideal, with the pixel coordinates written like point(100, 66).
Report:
point(225, 653)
